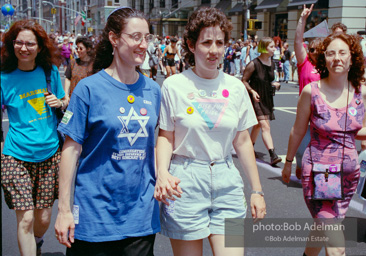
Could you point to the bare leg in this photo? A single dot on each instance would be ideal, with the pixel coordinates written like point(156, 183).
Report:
point(42, 220)
point(186, 248)
point(173, 70)
point(167, 71)
point(26, 242)
point(266, 133)
point(254, 133)
point(217, 243)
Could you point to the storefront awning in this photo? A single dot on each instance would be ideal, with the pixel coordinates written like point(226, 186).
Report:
point(301, 2)
point(268, 4)
point(238, 8)
point(223, 5)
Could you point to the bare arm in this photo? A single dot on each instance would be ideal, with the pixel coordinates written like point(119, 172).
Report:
point(361, 135)
point(248, 71)
point(244, 148)
point(298, 130)
point(64, 226)
point(299, 35)
point(67, 89)
point(165, 50)
point(166, 184)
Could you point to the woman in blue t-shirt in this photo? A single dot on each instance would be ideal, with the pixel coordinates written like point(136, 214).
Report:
point(112, 116)
point(29, 162)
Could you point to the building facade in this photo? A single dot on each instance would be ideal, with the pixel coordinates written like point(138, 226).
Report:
point(169, 17)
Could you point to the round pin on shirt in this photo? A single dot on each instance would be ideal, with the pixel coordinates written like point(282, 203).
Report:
point(225, 93)
point(130, 99)
point(143, 111)
point(190, 110)
point(122, 110)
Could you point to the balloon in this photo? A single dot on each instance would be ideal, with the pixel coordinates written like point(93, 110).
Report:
point(7, 9)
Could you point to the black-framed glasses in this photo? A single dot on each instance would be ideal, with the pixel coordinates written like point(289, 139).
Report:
point(29, 45)
point(138, 37)
point(312, 50)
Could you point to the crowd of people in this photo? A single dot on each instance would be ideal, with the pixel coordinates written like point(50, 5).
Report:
point(125, 184)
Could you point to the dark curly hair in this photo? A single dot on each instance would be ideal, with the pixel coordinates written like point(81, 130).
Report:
point(116, 23)
point(89, 45)
point(357, 67)
point(45, 58)
point(202, 18)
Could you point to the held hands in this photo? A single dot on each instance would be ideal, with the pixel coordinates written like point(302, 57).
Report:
point(167, 187)
point(52, 100)
point(306, 12)
point(286, 172)
point(64, 228)
point(258, 207)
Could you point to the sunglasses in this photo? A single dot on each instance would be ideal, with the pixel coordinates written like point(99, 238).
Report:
point(312, 50)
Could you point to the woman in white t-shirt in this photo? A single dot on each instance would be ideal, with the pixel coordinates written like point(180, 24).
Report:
point(203, 113)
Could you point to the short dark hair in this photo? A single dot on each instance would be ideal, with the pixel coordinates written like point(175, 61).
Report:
point(357, 68)
point(202, 18)
point(88, 43)
point(45, 58)
point(116, 23)
point(339, 25)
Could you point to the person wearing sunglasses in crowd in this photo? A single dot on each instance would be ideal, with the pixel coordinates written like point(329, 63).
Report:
point(29, 163)
point(81, 67)
point(112, 117)
point(204, 113)
point(335, 108)
point(306, 70)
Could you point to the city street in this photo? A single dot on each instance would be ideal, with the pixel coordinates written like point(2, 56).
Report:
point(283, 200)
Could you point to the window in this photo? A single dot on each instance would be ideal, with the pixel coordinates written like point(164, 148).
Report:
point(142, 3)
point(151, 5)
point(206, 2)
point(162, 3)
point(174, 3)
point(133, 4)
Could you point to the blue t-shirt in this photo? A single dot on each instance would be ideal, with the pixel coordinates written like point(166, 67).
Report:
point(32, 135)
point(114, 188)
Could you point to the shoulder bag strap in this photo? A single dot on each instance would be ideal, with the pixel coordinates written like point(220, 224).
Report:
point(47, 72)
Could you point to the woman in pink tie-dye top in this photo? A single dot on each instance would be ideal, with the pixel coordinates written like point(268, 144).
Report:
point(324, 105)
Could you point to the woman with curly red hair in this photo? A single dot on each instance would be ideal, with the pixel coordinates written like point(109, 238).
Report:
point(31, 154)
point(335, 108)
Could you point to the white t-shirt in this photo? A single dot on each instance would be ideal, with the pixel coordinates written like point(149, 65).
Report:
point(205, 114)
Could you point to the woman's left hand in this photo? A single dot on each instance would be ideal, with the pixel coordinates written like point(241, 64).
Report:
point(277, 85)
point(258, 207)
point(52, 100)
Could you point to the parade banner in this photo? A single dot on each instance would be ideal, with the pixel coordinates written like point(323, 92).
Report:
point(321, 30)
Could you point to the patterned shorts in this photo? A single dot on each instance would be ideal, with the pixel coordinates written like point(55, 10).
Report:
point(28, 185)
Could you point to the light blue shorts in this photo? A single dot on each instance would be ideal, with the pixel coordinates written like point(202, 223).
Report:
point(212, 191)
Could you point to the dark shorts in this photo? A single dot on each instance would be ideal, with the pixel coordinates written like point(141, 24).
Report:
point(27, 185)
point(170, 62)
point(141, 246)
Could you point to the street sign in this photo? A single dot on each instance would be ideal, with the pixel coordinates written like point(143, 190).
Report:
point(53, 10)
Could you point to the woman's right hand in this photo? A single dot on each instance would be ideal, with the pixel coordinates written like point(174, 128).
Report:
point(256, 96)
point(167, 186)
point(286, 172)
point(64, 228)
point(306, 12)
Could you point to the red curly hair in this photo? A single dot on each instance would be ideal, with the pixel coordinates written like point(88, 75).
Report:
point(357, 68)
point(45, 58)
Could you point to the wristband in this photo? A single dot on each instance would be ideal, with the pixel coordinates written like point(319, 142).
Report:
point(290, 161)
point(258, 192)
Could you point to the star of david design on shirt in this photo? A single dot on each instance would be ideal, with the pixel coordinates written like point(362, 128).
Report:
point(133, 136)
